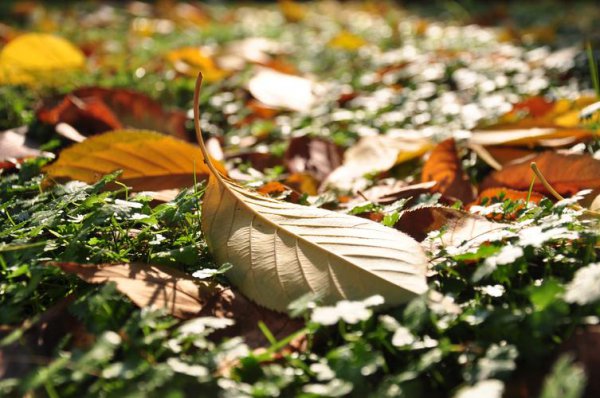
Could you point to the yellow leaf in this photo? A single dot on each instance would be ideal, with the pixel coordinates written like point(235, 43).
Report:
point(190, 60)
point(281, 251)
point(35, 57)
point(149, 160)
point(347, 41)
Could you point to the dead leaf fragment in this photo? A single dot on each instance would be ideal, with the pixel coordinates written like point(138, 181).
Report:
point(461, 227)
point(281, 90)
point(184, 297)
point(374, 155)
point(568, 174)
point(94, 110)
point(191, 60)
point(15, 146)
point(150, 161)
point(38, 57)
point(444, 167)
point(313, 155)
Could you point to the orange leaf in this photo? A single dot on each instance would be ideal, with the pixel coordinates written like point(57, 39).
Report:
point(568, 174)
point(150, 161)
point(443, 166)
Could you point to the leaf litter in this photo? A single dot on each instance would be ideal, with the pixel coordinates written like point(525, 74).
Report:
point(284, 108)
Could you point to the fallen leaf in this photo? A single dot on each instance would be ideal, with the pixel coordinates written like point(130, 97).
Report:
point(444, 167)
point(549, 136)
point(568, 174)
point(374, 155)
point(257, 50)
point(385, 196)
point(149, 160)
point(93, 110)
point(538, 121)
point(459, 226)
point(14, 146)
point(184, 297)
point(506, 193)
point(313, 155)
point(347, 41)
point(584, 344)
point(282, 90)
point(275, 189)
point(40, 339)
point(281, 251)
point(303, 183)
point(190, 60)
point(292, 11)
point(38, 57)
point(502, 155)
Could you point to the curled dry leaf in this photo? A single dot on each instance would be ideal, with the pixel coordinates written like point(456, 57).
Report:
point(38, 57)
point(313, 155)
point(568, 174)
point(184, 297)
point(94, 110)
point(374, 155)
point(282, 90)
point(281, 251)
point(150, 161)
point(444, 167)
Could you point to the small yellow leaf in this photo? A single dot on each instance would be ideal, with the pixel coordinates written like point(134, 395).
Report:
point(35, 57)
point(190, 60)
point(149, 160)
point(347, 41)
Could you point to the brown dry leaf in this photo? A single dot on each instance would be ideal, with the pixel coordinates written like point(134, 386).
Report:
point(94, 110)
point(374, 155)
point(584, 344)
point(313, 155)
point(568, 174)
point(184, 297)
point(444, 167)
point(387, 196)
point(41, 338)
point(281, 90)
point(150, 161)
point(504, 155)
point(281, 251)
point(460, 226)
point(35, 58)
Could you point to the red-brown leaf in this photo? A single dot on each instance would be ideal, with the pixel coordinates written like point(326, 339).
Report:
point(444, 167)
point(568, 174)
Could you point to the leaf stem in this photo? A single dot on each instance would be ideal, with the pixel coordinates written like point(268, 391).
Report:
point(558, 196)
point(545, 182)
point(198, 130)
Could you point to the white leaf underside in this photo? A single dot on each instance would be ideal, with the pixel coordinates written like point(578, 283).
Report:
point(280, 251)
